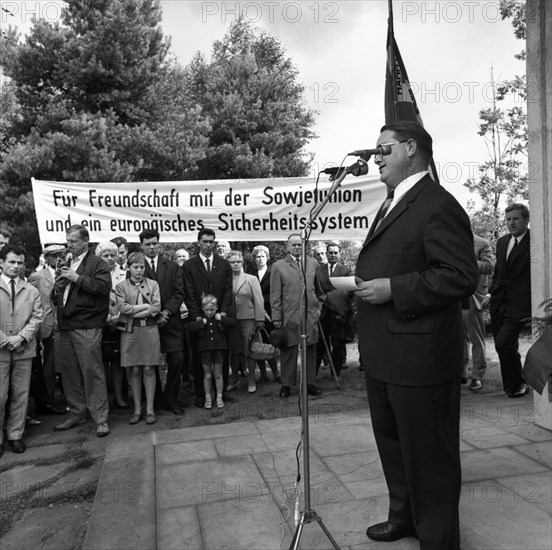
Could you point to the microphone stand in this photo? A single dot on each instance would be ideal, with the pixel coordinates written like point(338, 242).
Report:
point(308, 515)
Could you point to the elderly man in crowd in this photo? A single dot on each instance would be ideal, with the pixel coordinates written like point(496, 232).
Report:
point(44, 364)
point(20, 317)
point(336, 318)
point(286, 301)
point(81, 293)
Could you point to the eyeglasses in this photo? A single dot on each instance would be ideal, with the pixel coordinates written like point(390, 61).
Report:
point(382, 145)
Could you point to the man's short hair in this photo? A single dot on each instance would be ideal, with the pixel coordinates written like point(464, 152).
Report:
point(205, 231)
point(405, 130)
point(518, 206)
point(332, 244)
point(14, 249)
point(81, 230)
point(118, 241)
point(148, 234)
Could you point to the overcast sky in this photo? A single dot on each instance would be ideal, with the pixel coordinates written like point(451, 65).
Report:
point(339, 50)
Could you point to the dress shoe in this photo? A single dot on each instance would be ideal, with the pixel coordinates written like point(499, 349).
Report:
point(199, 402)
point(17, 446)
point(68, 424)
point(232, 387)
point(49, 408)
point(151, 418)
point(134, 418)
point(313, 390)
point(475, 385)
point(30, 421)
point(102, 429)
point(284, 392)
point(387, 532)
point(520, 391)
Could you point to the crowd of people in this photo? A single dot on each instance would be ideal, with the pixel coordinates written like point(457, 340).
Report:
point(109, 316)
point(100, 319)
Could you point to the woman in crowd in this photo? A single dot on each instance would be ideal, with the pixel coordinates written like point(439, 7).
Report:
point(249, 304)
point(111, 340)
point(139, 301)
point(261, 255)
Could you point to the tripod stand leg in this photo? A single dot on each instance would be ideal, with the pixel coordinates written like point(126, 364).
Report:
point(328, 534)
point(297, 535)
point(307, 517)
point(326, 347)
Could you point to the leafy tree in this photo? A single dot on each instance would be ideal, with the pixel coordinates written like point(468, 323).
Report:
point(503, 177)
point(93, 98)
point(249, 91)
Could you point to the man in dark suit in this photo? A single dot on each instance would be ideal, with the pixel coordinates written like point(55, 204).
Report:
point(81, 294)
point(510, 292)
point(472, 316)
point(336, 317)
point(206, 273)
point(415, 267)
point(169, 277)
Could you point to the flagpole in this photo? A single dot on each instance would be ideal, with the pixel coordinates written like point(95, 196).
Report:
point(391, 45)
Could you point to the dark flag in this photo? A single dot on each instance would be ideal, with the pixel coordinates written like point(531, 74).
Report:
point(400, 103)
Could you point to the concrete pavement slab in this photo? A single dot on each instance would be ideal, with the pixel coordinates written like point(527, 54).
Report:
point(541, 452)
point(481, 465)
point(179, 529)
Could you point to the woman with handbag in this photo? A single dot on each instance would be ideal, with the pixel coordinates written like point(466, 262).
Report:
point(139, 302)
point(248, 300)
point(111, 338)
point(261, 255)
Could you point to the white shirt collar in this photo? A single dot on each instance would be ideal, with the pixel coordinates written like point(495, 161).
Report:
point(204, 258)
point(512, 238)
point(405, 186)
point(7, 280)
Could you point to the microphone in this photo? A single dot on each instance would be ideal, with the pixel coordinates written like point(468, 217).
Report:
point(359, 168)
point(367, 153)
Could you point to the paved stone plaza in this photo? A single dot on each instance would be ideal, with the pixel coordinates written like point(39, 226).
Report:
point(231, 486)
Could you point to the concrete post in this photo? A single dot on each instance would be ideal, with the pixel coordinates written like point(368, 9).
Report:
point(539, 115)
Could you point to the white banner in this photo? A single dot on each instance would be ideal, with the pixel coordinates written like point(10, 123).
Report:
point(237, 210)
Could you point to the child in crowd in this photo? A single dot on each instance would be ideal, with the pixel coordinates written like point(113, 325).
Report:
point(212, 342)
point(139, 302)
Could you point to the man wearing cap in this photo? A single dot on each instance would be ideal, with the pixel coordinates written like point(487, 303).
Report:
point(44, 368)
point(20, 317)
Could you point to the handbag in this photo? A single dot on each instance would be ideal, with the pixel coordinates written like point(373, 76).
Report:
point(258, 350)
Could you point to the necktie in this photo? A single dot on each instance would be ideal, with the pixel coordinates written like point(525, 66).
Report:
point(384, 208)
point(512, 250)
point(153, 265)
point(208, 265)
point(331, 269)
point(12, 284)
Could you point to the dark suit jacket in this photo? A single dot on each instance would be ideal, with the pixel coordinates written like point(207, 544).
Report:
point(217, 282)
point(265, 287)
point(511, 282)
point(169, 278)
point(337, 303)
point(87, 303)
point(425, 246)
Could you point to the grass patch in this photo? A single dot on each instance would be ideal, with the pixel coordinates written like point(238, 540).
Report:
point(13, 507)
